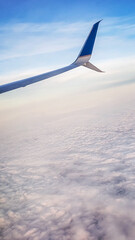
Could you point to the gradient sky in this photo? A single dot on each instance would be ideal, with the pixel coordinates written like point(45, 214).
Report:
point(38, 36)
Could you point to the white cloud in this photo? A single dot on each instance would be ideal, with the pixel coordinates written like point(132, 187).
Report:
point(69, 178)
point(26, 39)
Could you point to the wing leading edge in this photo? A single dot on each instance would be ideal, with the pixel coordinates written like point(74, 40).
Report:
point(82, 60)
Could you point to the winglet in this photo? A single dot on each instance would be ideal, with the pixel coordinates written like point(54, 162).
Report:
point(87, 48)
point(91, 66)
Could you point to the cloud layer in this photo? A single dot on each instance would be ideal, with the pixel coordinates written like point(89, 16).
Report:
point(69, 178)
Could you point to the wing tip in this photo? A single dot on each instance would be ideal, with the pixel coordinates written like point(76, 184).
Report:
point(100, 20)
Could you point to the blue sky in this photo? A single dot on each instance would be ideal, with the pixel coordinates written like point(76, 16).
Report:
point(50, 11)
point(38, 36)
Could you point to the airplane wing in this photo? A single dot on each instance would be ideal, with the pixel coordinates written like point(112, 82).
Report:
point(24, 82)
point(82, 60)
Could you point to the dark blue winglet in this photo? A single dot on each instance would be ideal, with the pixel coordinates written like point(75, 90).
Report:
point(89, 43)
